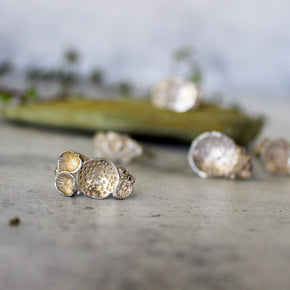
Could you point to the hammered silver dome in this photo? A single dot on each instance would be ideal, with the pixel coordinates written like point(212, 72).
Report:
point(212, 154)
point(98, 178)
point(275, 155)
point(175, 94)
point(116, 147)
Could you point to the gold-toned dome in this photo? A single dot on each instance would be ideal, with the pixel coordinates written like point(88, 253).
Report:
point(98, 178)
point(65, 183)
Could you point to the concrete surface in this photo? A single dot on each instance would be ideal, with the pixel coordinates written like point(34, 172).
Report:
point(177, 231)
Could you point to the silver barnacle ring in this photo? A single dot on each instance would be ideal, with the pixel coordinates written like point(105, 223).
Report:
point(97, 178)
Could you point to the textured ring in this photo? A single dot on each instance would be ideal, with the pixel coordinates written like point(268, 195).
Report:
point(96, 178)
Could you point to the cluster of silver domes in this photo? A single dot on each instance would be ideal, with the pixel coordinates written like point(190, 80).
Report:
point(97, 178)
point(211, 154)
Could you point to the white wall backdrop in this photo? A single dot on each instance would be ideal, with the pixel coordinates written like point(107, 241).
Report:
point(241, 45)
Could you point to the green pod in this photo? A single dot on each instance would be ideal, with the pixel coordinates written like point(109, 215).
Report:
point(139, 117)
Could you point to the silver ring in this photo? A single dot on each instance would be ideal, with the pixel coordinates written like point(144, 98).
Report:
point(95, 178)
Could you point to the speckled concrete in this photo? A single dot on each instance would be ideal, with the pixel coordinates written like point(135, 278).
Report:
point(177, 231)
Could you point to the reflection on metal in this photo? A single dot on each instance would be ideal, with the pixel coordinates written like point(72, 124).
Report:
point(213, 154)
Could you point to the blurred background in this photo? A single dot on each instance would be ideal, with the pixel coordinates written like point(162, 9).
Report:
point(238, 48)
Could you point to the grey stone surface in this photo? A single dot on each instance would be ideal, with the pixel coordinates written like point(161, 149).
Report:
point(176, 231)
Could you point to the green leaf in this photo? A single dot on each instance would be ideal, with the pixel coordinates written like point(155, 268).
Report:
point(132, 116)
point(71, 56)
point(97, 76)
point(196, 76)
point(5, 68)
point(31, 94)
point(183, 53)
point(125, 89)
point(5, 97)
